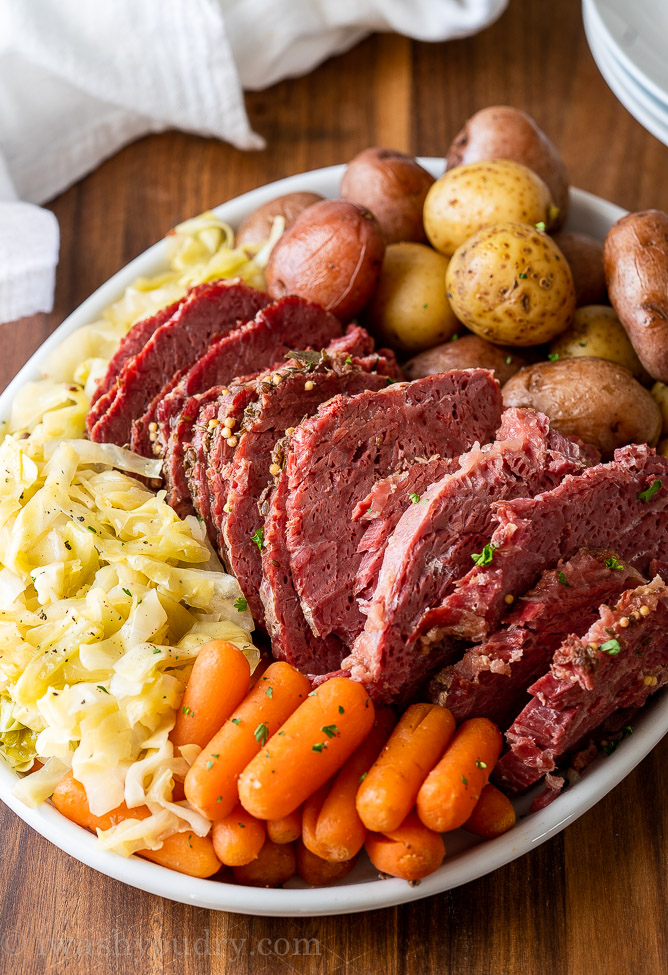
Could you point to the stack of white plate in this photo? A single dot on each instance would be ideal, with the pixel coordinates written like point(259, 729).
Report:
point(629, 41)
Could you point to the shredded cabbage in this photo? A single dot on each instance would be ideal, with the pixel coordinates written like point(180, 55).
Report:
point(106, 596)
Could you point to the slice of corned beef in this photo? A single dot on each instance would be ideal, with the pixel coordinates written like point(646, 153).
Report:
point(291, 638)
point(492, 678)
point(617, 664)
point(383, 507)
point(208, 311)
point(435, 540)
point(173, 470)
point(282, 403)
point(335, 457)
point(130, 345)
point(621, 505)
point(291, 323)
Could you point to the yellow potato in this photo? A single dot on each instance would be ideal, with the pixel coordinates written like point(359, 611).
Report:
point(594, 399)
point(511, 285)
point(409, 310)
point(660, 393)
point(596, 331)
point(470, 197)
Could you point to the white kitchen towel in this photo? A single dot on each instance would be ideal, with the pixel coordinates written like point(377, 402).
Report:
point(80, 79)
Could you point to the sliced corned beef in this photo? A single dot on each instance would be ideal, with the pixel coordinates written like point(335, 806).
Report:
point(291, 638)
point(203, 405)
point(492, 678)
point(617, 664)
point(130, 345)
point(335, 457)
point(291, 323)
point(383, 507)
point(621, 505)
point(435, 540)
point(282, 402)
point(208, 311)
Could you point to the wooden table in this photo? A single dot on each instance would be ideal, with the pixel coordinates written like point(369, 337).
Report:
point(591, 900)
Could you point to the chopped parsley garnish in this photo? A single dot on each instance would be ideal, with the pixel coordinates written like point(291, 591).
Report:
point(480, 764)
point(269, 692)
point(553, 356)
point(485, 557)
point(363, 776)
point(189, 713)
point(240, 604)
point(320, 746)
point(654, 487)
point(508, 360)
point(522, 275)
point(312, 694)
point(349, 359)
point(563, 580)
point(342, 710)
point(101, 688)
point(235, 720)
point(414, 498)
point(261, 734)
point(209, 765)
point(453, 338)
point(127, 592)
point(258, 538)
point(465, 780)
point(540, 225)
point(389, 380)
point(156, 650)
point(330, 730)
point(611, 647)
point(612, 563)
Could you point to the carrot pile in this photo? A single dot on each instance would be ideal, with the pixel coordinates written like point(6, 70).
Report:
point(300, 781)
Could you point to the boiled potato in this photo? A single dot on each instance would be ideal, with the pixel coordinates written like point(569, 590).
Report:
point(511, 285)
point(393, 186)
point(596, 400)
point(256, 228)
point(332, 255)
point(409, 310)
point(635, 258)
point(503, 132)
point(596, 331)
point(466, 352)
point(470, 197)
point(660, 393)
point(584, 255)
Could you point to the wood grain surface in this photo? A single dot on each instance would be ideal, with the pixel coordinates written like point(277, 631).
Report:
point(590, 901)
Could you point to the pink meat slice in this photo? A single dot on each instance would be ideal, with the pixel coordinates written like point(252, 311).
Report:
point(208, 311)
point(435, 540)
point(621, 505)
point(335, 457)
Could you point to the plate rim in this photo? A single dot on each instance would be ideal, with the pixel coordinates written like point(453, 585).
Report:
point(346, 898)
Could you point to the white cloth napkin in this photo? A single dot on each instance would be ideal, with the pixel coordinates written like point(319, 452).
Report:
point(80, 79)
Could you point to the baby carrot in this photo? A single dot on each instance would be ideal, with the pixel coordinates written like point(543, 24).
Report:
point(274, 864)
point(492, 815)
point(387, 794)
point(211, 782)
point(310, 812)
point(218, 684)
point(259, 671)
point(310, 747)
point(318, 872)
point(339, 832)
point(450, 791)
point(238, 838)
point(184, 852)
point(412, 851)
point(287, 829)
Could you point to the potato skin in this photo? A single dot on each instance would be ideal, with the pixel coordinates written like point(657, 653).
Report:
point(468, 198)
point(596, 331)
point(332, 255)
point(255, 229)
point(511, 285)
point(596, 400)
point(504, 132)
point(584, 255)
point(409, 310)
point(635, 258)
point(467, 352)
point(393, 186)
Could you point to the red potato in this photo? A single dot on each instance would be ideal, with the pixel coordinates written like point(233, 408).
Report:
point(255, 229)
point(584, 255)
point(504, 132)
point(393, 186)
point(332, 255)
